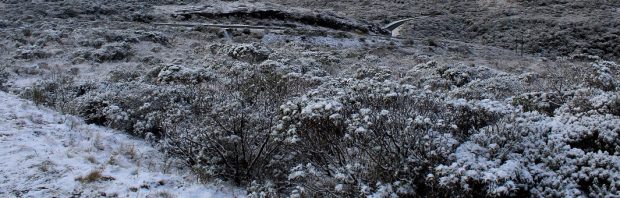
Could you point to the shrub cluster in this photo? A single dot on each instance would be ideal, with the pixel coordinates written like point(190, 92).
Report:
point(282, 127)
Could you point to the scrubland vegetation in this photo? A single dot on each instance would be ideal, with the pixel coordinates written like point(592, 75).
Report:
point(434, 130)
point(280, 115)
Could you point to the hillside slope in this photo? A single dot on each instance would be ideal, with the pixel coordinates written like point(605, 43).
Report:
point(45, 154)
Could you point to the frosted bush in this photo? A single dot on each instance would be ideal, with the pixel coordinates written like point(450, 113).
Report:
point(379, 74)
point(106, 53)
point(180, 74)
point(544, 102)
point(497, 88)
point(605, 75)
point(592, 101)
point(354, 131)
point(48, 37)
point(536, 155)
point(112, 52)
point(116, 76)
point(155, 37)
point(30, 52)
point(4, 77)
point(447, 77)
point(302, 125)
point(134, 107)
point(252, 53)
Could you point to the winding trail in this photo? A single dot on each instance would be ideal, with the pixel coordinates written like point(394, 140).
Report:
point(395, 27)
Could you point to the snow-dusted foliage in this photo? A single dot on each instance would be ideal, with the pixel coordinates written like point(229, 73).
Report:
point(108, 52)
point(605, 75)
point(531, 154)
point(4, 76)
point(356, 137)
point(561, 142)
point(46, 154)
point(245, 52)
point(281, 126)
point(294, 102)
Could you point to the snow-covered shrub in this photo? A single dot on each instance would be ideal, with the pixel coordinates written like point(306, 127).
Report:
point(375, 73)
point(446, 77)
point(47, 37)
point(497, 88)
point(30, 52)
point(230, 141)
point(253, 53)
point(227, 131)
point(590, 101)
point(98, 38)
point(117, 36)
point(107, 52)
point(95, 43)
point(466, 81)
point(309, 66)
point(605, 76)
point(260, 190)
point(529, 154)
point(352, 137)
point(112, 52)
point(116, 76)
point(221, 128)
point(155, 37)
point(544, 102)
point(134, 107)
point(466, 116)
point(56, 92)
point(230, 135)
point(472, 172)
point(176, 74)
point(4, 77)
point(560, 76)
point(425, 75)
point(138, 108)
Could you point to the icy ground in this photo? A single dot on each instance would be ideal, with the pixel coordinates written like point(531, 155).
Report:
point(45, 154)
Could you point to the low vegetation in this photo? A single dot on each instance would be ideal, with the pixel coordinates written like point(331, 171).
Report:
point(437, 130)
point(315, 111)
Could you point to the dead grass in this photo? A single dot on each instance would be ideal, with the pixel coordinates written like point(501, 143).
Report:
point(130, 151)
point(90, 177)
point(93, 176)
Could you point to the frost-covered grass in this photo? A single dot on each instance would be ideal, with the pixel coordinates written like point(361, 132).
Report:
point(45, 154)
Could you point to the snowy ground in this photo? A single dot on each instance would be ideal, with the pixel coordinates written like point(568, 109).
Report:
point(45, 154)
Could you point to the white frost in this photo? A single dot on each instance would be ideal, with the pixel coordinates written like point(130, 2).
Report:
point(44, 153)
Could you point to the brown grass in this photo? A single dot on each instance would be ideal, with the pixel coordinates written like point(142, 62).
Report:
point(90, 177)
